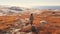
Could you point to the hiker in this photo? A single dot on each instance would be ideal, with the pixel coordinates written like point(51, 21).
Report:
point(31, 19)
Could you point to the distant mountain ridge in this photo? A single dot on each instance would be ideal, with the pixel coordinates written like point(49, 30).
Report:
point(46, 7)
point(11, 10)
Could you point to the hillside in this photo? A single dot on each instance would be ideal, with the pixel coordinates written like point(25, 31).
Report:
point(46, 21)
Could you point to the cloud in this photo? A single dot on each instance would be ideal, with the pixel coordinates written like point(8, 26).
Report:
point(30, 3)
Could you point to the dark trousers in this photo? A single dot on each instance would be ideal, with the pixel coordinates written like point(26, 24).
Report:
point(34, 30)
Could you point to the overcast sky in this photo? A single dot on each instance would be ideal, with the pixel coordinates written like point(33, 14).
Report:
point(30, 3)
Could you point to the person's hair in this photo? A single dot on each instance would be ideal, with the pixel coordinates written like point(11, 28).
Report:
point(31, 14)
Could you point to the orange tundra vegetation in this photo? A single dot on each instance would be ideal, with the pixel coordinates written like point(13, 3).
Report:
point(52, 18)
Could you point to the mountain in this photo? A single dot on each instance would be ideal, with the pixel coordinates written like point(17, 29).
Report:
point(11, 10)
point(16, 8)
point(46, 7)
